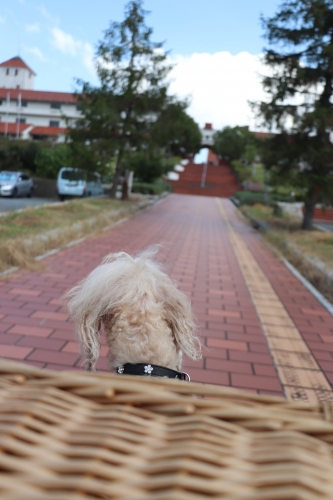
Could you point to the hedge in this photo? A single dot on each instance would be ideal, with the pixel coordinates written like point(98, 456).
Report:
point(153, 188)
point(250, 198)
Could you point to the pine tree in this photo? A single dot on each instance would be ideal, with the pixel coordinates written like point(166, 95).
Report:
point(133, 70)
point(299, 105)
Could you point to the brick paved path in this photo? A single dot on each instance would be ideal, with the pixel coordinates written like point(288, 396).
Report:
point(263, 331)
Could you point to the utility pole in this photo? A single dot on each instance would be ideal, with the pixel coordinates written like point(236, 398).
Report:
point(18, 116)
point(7, 111)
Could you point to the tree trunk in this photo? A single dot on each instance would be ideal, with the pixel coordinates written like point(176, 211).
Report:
point(124, 195)
point(309, 206)
point(117, 173)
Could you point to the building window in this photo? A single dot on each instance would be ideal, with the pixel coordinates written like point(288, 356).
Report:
point(54, 123)
point(16, 72)
point(55, 105)
point(24, 104)
point(79, 107)
point(0, 103)
point(20, 120)
point(7, 71)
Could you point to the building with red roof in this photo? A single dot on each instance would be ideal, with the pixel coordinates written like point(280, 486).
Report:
point(42, 111)
point(15, 73)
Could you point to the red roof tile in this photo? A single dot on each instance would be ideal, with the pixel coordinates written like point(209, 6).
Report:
point(12, 127)
point(48, 131)
point(16, 62)
point(38, 95)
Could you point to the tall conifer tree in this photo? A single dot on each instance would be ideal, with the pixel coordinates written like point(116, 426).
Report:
point(133, 70)
point(299, 104)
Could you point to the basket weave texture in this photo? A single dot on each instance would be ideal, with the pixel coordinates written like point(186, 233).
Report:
point(73, 435)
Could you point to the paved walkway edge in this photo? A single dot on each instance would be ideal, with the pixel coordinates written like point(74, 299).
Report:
point(300, 375)
point(324, 302)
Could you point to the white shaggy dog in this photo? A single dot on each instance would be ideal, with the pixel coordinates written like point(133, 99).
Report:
point(145, 317)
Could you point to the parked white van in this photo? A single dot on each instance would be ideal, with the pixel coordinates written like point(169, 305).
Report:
point(76, 182)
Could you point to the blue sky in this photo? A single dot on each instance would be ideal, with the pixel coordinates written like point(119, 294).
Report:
point(212, 41)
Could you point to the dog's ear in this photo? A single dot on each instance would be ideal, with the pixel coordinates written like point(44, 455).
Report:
point(86, 309)
point(179, 317)
point(88, 332)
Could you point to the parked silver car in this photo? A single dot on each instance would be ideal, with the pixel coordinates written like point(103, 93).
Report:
point(15, 184)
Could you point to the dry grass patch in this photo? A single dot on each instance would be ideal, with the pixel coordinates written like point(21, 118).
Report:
point(32, 232)
point(297, 245)
point(32, 221)
point(316, 244)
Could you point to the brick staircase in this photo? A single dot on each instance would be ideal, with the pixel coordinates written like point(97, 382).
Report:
point(322, 215)
point(220, 180)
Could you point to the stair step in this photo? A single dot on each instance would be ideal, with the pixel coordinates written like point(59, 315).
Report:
point(220, 180)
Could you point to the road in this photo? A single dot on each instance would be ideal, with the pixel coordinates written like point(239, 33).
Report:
point(10, 204)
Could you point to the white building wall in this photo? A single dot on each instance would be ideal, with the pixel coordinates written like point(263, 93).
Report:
point(207, 136)
point(38, 113)
point(16, 78)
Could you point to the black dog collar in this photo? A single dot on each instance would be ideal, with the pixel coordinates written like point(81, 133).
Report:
point(151, 371)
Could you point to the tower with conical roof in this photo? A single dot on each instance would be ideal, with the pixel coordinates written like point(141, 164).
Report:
point(16, 74)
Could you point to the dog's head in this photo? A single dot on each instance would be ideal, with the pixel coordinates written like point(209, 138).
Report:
point(135, 290)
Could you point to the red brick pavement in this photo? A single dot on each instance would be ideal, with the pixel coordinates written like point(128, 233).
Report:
point(199, 255)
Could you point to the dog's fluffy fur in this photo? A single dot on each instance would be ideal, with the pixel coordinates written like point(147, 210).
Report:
point(145, 317)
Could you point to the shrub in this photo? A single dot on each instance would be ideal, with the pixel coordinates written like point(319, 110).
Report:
point(244, 173)
point(251, 198)
point(50, 160)
point(155, 188)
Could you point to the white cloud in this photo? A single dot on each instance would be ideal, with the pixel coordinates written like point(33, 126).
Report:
point(220, 86)
point(46, 14)
point(36, 52)
point(68, 45)
point(32, 28)
point(64, 42)
point(89, 57)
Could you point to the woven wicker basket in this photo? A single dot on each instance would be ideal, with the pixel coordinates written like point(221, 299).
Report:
point(70, 435)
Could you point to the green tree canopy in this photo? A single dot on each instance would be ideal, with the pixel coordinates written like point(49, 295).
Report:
point(299, 104)
point(175, 131)
point(149, 164)
point(232, 143)
point(132, 69)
